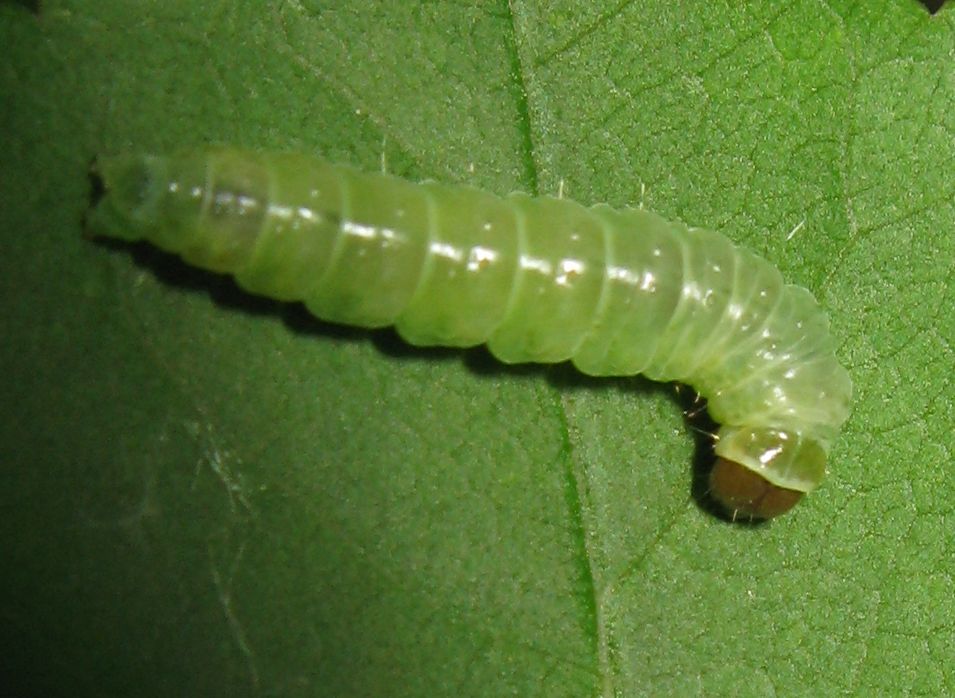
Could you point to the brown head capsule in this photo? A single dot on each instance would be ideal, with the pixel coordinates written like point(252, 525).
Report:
point(746, 494)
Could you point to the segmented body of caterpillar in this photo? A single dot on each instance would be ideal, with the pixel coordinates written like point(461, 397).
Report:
point(617, 292)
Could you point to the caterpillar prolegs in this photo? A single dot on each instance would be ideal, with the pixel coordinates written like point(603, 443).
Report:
point(617, 292)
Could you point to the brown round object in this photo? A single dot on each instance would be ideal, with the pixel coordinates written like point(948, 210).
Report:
point(748, 495)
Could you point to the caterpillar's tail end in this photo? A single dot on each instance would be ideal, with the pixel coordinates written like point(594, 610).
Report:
point(747, 495)
point(126, 190)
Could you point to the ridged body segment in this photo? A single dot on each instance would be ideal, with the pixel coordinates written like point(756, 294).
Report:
point(617, 292)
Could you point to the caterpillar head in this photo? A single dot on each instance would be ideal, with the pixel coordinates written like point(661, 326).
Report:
point(763, 472)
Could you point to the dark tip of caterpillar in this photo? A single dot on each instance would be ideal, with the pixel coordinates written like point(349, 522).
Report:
point(747, 495)
point(96, 181)
point(97, 193)
point(123, 188)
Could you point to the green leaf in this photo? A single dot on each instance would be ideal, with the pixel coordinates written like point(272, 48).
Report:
point(209, 494)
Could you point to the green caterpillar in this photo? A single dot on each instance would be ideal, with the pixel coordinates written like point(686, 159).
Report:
point(617, 292)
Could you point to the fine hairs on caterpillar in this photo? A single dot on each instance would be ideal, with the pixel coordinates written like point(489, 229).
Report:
point(616, 292)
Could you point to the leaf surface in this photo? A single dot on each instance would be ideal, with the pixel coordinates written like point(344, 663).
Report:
point(210, 494)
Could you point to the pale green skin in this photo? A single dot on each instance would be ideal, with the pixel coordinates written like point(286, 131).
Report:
point(617, 292)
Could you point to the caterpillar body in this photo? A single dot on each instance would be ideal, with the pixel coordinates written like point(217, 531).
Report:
point(615, 291)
